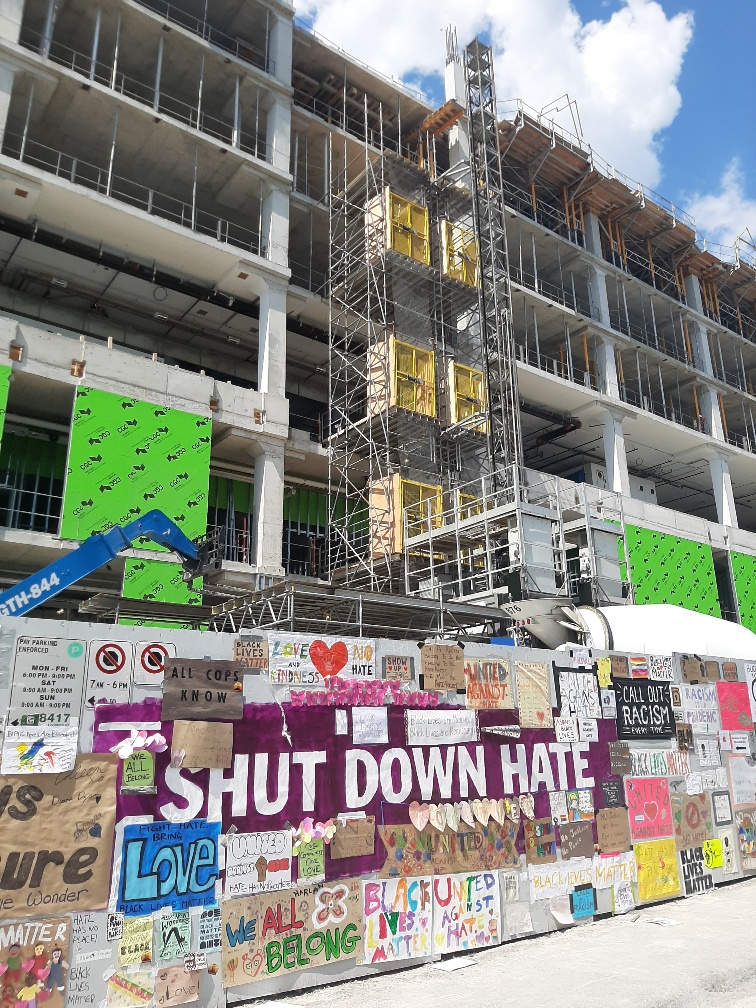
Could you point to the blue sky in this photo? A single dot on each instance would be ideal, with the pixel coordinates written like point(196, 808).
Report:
point(664, 87)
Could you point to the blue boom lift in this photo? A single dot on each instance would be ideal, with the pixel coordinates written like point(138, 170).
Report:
point(99, 550)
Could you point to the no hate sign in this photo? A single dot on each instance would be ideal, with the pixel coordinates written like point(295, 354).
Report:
point(203, 690)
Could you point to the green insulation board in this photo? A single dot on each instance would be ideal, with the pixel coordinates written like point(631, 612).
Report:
point(127, 457)
point(5, 377)
point(744, 576)
point(668, 569)
point(159, 581)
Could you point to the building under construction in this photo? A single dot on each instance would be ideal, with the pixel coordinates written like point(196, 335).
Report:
point(370, 345)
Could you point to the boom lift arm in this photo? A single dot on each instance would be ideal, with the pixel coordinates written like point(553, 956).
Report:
point(95, 552)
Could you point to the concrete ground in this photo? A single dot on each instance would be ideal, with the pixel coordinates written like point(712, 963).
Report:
point(707, 961)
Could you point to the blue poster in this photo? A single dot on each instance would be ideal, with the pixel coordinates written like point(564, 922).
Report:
point(583, 901)
point(168, 864)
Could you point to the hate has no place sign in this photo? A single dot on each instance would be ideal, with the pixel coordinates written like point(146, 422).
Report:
point(203, 690)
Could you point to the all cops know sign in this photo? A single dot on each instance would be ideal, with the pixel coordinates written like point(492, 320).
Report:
point(203, 690)
point(644, 709)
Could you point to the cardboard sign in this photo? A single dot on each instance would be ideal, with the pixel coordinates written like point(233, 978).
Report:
point(649, 808)
point(353, 838)
point(489, 685)
point(251, 654)
point(275, 934)
point(620, 666)
point(613, 828)
point(658, 877)
point(48, 678)
point(36, 960)
point(540, 841)
point(58, 828)
point(138, 773)
point(692, 818)
point(729, 671)
point(693, 670)
point(192, 847)
point(203, 690)
point(576, 840)
point(711, 671)
point(175, 985)
point(413, 852)
point(734, 706)
point(533, 697)
point(258, 862)
point(473, 899)
point(644, 709)
point(442, 667)
point(684, 734)
point(398, 668)
point(205, 744)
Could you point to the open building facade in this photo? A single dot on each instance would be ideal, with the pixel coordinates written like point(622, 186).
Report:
point(446, 353)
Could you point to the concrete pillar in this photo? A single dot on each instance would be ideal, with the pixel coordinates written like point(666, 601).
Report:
point(11, 16)
point(597, 294)
point(280, 47)
point(606, 367)
point(7, 75)
point(693, 293)
point(699, 339)
point(708, 404)
point(593, 235)
point(459, 134)
point(617, 476)
point(275, 224)
point(722, 486)
point(278, 132)
point(271, 353)
point(268, 505)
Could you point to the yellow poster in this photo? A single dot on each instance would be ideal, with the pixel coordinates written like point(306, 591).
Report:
point(658, 877)
point(604, 672)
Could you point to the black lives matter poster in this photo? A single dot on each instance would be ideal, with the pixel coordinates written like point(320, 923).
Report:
point(644, 709)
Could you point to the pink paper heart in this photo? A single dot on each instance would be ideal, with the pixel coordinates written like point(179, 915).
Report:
point(419, 815)
point(466, 813)
point(480, 810)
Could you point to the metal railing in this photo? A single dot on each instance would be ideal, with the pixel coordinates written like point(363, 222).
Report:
point(243, 50)
point(147, 94)
point(309, 277)
point(554, 292)
point(561, 368)
point(25, 505)
point(105, 182)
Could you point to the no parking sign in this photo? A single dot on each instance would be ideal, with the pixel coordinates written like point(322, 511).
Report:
point(149, 665)
point(109, 670)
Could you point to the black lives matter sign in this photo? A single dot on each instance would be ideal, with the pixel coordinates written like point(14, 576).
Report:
point(644, 709)
point(203, 690)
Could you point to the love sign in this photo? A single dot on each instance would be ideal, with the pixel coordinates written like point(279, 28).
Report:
point(304, 660)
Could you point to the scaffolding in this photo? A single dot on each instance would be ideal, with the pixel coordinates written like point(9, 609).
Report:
point(409, 384)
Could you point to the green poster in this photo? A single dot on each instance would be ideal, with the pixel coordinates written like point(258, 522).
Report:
point(138, 773)
point(311, 862)
point(5, 377)
point(666, 568)
point(127, 457)
point(744, 576)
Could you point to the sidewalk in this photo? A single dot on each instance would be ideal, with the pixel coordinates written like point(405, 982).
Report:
point(707, 961)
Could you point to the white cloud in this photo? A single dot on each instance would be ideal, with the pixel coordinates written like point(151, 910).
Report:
point(725, 215)
point(622, 71)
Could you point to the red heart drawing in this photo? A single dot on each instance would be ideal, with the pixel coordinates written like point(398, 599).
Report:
point(540, 715)
point(651, 810)
point(329, 661)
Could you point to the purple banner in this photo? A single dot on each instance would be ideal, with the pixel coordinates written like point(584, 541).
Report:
point(283, 772)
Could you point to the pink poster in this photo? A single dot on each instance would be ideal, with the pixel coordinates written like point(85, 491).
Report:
point(734, 706)
point(649, 808)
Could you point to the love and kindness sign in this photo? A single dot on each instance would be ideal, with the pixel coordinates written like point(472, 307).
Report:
point(302, 660)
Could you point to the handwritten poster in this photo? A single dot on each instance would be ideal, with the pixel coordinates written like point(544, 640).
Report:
point(661, 668)
point(135, 944)
point(613, 829)
point(370, 725)
point(34, 962)
point(191, 847)
point(658, 876)
point(441, 727)
point(304, 660)
point(203, 690)
point(398, 918)
point(701, 706)
point(175, 985)
point(311, 863)
point(696, 877)
point(693, 821)
point(729, 858)
point(649, 808)
point(466, 912)
point(413, 852)
point(275, 934)
point(488, 685)
point(258, 862)
point(745, 823)
point(576, 840)
point(138, 773)
point(540, 841)
point(47, 749)
point(734, 706)
point(174, 935)
point(442, 667)
point(130, 988)
point(91, 955)
point(533, 695)
point(722, 808)
point(205, 744)
point(253, 654)
point(578, 692)
point(66, 830)
point(398, 668)
point(742, 781)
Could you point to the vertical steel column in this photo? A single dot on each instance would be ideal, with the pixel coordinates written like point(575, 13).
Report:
point(112, 155)
point(95, 44)
point(158, 75)
point(47, 31)
point(115, 51)
point(236, 135)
